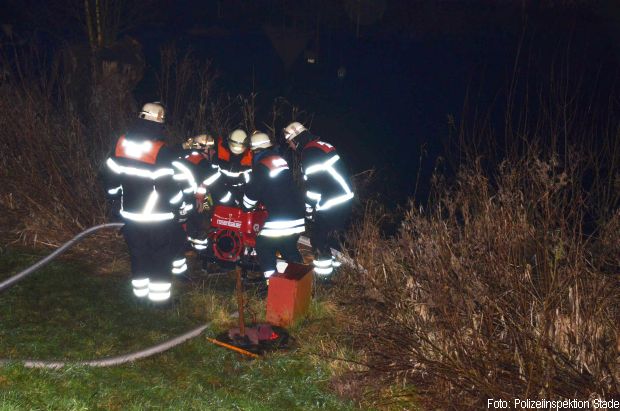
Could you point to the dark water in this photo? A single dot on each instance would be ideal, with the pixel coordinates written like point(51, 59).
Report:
point(402, 86)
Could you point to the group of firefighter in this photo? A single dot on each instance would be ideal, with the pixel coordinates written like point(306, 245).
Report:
point(160, 191)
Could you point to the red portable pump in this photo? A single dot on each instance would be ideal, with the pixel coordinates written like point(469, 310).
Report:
point(233, 231)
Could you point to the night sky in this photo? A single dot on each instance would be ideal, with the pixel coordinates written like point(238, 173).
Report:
point(409, 64)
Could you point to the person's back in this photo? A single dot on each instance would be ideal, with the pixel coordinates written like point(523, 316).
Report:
point(272, 185)
point(328, 192)
point(143, 176)
point(142, 164)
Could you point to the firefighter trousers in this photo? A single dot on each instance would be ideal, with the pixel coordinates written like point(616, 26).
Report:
point(328, 227)
point(266, 248)
point(152, 248)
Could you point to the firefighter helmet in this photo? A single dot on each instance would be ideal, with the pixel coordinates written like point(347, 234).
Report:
point(260, 140)
point(293, 130)
point(153, 112)
point(200, 142)
point(237, 141)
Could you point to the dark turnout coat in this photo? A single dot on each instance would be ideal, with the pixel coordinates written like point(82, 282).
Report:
point(272, 185)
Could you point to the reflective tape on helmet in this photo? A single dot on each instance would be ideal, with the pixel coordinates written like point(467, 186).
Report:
point(179, 262)
point(199, 247)
point(139, 172)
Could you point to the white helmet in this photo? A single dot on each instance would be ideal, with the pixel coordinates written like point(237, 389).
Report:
point(293, 130)
point(260, 140)
point(199, 142)
point(236, 141)
point(153, 112)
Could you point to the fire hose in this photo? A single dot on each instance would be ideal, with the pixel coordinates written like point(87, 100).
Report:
point(102, 362)
point(121, 359)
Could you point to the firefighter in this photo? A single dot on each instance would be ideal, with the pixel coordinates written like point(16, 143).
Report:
point(147, 183)
point(199, 157)
point(328, 193)
point(230, 169)
point(272, 186)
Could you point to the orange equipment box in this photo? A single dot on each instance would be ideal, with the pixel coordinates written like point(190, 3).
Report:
point(289, 293)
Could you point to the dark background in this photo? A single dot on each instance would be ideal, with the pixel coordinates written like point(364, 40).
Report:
point(409, 64)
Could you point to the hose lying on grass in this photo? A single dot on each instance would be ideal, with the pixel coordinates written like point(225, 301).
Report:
point(111, 361)
point(103, 362)
point(121, 359)
point(22, 274)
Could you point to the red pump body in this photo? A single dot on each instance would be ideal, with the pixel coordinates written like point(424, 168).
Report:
point(234, 230)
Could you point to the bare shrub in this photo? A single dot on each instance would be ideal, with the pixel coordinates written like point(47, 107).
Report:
point(186, 86)
point(50, 159)
point(493, 291)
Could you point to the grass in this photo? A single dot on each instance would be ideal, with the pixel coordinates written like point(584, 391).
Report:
point(64, 311)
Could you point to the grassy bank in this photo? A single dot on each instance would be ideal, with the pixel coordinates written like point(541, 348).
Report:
point(64, 311)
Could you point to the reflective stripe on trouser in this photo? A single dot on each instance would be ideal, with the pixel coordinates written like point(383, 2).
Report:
point(198, 244)
point(325, 232)
point(266, 248)
point(323, 265)
point(179, 266)
point(140, 287)
point(152, 248)
point(159, 291)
